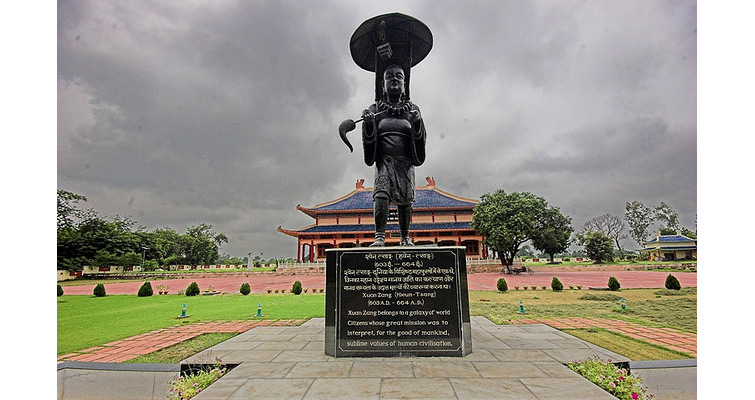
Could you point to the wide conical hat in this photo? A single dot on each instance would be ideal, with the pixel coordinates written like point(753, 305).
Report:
point(409, 39)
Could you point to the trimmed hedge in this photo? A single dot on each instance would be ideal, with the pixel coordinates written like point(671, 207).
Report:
point(192, 289)
point(502, 285)
point(296, 288)
point(245, 289)
point(556, 285)
point(145, 290)
point(614, 284)
point(60, 291)
point(672, 283)
point(99, 290)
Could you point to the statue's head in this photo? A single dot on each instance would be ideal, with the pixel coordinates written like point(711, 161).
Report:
point(393, 80)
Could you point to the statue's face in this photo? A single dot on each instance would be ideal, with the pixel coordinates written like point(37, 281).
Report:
point(393, 80)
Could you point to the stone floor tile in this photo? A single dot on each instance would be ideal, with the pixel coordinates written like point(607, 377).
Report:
point(221, 390)
point(254, 370)
point(555, 369)
point(491, 388)
point(280, 345)
point(435, 369)
point(521, 355)
point(369, 369)
point(320, 369)
point(238, 356)
point(236, 345)
point(301, 355)
point(475, 355)
point(344, 389)
point(417, 388)
point(272, 389)
point(565, 389)
point(519, 369)
point(490, 344)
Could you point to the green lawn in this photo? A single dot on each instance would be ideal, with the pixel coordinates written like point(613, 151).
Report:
point(87, 321)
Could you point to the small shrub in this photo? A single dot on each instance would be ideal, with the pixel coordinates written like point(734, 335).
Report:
point(145, 290)
point(296, 288)
point(245, 289)
point(276, 290)
point(192, 289)
point(60, 291)
point(672, 283)
point(556, 285)
point(269, 291)
point(571, 287)
point(533, 287)
point(579, 287)
point(99, 290)
point(502, 285)
point(612, 379)
point(305, 290)
point(614, 284)
point(543, 287)
point(187, 386)
point(516, 287)
point(524, 287)
point(322, 290)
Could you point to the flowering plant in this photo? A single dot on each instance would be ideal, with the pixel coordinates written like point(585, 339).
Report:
point(187, 386)
point(612, 379)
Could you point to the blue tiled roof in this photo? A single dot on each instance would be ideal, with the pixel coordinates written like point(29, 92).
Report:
point(671, 238)
point(391, 227)
point(423, 198)
point(671, 248)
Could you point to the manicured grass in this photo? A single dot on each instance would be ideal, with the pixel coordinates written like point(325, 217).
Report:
point(649, 307)
point(181, 351)
point(87, 321)
point(634, 349)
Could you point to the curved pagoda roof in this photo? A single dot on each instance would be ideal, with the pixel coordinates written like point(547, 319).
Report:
point(426, 198)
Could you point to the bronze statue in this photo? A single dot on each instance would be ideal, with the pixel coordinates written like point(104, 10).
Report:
point(393, 132)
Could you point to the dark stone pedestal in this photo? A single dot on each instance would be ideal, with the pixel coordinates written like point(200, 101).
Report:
point(397, 302)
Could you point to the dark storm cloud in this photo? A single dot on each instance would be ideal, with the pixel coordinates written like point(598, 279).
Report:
point(225, 112)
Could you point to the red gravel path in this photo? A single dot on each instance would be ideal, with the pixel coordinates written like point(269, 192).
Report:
point(480, 281)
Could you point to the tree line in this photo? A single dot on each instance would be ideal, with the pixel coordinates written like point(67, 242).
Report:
point(86, 238)
point(509, 220)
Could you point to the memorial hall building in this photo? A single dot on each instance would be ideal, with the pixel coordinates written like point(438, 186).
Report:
point(438, 218)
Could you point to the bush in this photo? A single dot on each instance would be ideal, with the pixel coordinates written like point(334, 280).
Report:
point(245, 289)
point(296, 288)
point(616, 381)
point(99, 290)
point(145, 290)
point(60, 291)
point(672, 283)
point(192, 289)
point(502, 285)
point(614, 284)
point(556, 285)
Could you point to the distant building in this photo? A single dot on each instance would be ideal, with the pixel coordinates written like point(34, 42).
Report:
point(671, 248)
point(438, 218)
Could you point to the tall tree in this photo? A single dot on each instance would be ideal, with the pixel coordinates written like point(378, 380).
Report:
point(666, 215)
point(611, 225)
point(597, 245)
point(552, 232)
point(639, 217)
point(507, 221)
point(67, 211)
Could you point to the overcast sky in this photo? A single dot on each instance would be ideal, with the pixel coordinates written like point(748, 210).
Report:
point(226, 112)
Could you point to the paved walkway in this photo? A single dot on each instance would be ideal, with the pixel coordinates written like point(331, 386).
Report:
point(511, 362)
point(135, 346)
point(479, 281)
point(673, 339)
point(285, 359)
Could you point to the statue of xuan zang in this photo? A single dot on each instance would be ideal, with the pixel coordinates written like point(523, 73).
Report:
point(393, 131)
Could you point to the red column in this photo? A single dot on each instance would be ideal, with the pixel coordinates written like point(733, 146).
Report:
point(298, 250)
point(312, 250)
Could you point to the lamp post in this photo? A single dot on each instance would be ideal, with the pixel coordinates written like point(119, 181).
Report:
point(144, 253)
point(249, 260)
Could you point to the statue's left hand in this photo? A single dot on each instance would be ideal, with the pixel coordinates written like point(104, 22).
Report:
point(413, 116)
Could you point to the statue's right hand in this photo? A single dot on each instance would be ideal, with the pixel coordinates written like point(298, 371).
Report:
point(368, 116)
